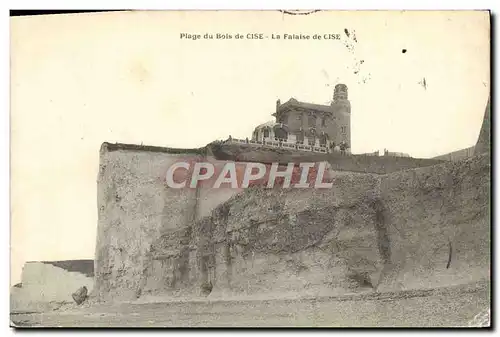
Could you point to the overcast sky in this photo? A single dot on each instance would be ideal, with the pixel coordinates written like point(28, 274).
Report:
point(80, 80)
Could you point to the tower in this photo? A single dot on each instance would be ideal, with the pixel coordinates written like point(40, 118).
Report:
point(340, 93)
point(340, 98)
point(342, 111)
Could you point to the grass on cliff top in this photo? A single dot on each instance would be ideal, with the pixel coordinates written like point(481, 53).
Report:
point(109, 147)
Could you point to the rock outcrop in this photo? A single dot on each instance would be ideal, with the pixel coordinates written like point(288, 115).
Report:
point(268, 241)
point(484, 140)
point(80, 295)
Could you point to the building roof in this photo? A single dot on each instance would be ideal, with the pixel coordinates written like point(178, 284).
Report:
point(305, 105)
point(269, 124)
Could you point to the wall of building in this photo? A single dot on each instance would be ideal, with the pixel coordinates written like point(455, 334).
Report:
point(298, 118)
point(343, 119)
point(342, 107)
point(295, 120)
point(333, 120)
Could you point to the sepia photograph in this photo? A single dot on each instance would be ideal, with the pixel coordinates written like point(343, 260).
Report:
point(250, 169)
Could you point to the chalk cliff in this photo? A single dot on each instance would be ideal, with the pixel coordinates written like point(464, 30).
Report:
point(484, 139)
point(418, 228)
point(422, 228)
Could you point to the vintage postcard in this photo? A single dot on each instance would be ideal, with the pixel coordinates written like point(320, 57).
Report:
point(251, 169)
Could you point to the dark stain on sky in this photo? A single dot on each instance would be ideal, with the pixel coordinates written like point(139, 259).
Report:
point(423, 83)
point(298, 12)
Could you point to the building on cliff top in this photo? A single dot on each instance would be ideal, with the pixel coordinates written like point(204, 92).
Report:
point(326, 127)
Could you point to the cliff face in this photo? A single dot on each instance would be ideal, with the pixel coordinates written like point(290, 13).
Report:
point(270, 242)
point(137, 210)
point(419, 228)
point(47, 284)
point(135, 207)
point(438, 224)
point(484, 139)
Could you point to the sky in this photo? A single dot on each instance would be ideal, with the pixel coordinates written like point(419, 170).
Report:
point(83, 79)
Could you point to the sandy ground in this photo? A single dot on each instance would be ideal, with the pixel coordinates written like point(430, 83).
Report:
point(445, 307)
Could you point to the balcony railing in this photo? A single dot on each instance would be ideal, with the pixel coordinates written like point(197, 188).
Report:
point(301, 147)
point(283, 145)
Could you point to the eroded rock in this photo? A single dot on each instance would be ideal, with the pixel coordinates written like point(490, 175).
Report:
point(80, 295)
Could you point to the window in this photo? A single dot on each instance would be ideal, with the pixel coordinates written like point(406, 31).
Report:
point(311, 121)
point(300, 138)
point(322, 140)
point(266, 133)
point(343, 129)
point(280, 134)
point(323, 121)
point(300, 119)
